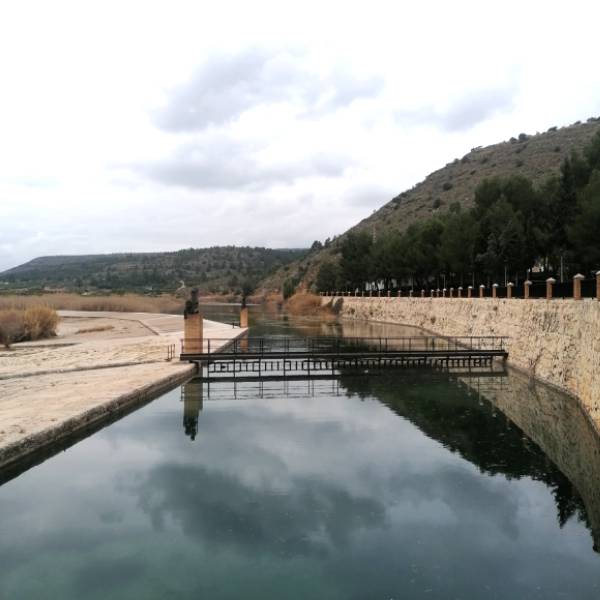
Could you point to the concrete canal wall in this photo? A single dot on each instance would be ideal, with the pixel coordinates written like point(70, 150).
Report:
point(556, 341)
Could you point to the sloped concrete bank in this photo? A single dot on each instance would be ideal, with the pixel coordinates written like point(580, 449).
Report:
point(555, 341)
point(54, 392)
point(94, 417)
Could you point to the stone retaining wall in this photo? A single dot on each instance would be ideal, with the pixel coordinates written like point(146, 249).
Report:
point(556, 341)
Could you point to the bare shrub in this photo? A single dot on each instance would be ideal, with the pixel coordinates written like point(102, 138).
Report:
point(307, 304)
point(303, 304)
point(33, 323)
point(12, 327)
point(40, 322)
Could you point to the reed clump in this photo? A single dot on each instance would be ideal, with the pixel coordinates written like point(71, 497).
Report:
point(27, 324)
point(117, 303)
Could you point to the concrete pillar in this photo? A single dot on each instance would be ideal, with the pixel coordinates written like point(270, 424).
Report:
point(470, 291)
point(460, 291)
point(410, 294)
point(244, 317)
point(451, 292)
point(481, 290)
point(432, 292)
point(509, 288)
point(526, 287)
point(193, 339)
point(437, 293)
point(577, 286)
point(399, 293)
point(495, 290)
point(549, 284)
point(389, 293)
point(422, 293)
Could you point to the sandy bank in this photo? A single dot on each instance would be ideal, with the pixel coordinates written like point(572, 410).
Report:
point(49, 389)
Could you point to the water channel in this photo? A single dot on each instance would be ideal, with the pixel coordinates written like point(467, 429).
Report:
point(403, 485)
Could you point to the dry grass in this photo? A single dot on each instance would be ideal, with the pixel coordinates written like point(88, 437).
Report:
point(306, 304)
point(95, 329)
point(27, 324)
point(124, 303)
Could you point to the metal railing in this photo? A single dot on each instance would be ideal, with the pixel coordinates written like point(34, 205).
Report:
point(537, 290)
point(347, 345)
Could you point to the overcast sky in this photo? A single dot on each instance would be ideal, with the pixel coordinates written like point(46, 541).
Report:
point(142, 126)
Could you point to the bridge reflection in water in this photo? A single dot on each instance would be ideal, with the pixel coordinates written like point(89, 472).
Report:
point(501, 423)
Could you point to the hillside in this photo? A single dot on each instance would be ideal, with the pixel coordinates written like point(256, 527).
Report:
point(534, 156)
point(215, 270)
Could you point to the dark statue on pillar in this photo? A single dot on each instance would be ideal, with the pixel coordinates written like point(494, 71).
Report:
point(191, 305)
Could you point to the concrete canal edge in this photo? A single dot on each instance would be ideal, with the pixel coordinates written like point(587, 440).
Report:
point(554, 341)
point(93, 417)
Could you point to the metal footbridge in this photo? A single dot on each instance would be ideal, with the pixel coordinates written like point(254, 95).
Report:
point(277, 357)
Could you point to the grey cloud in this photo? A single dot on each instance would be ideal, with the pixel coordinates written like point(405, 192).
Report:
point(222, 163)
point(467, 112)
point(226, 86)
point(476, 108)
point(368, 195)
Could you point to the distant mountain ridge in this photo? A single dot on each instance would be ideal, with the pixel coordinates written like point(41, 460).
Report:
point(536, 157)
point(219, 269)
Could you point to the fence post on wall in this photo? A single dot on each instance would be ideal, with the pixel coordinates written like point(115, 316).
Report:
point(470, 291)
point(526, 289)
point(422, 293)
point(389, 294)
point(437, 293)
point(597, 285)
point(549, 284)
point(481, 290)
point(577, 279)
point(460, 291)
point(495, 290)
point(509, 287)
point(410, 294)
point(432, 292)
point(452, 292)
point(444, 292)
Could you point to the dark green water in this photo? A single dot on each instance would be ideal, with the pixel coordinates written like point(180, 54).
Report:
point(402, 486)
